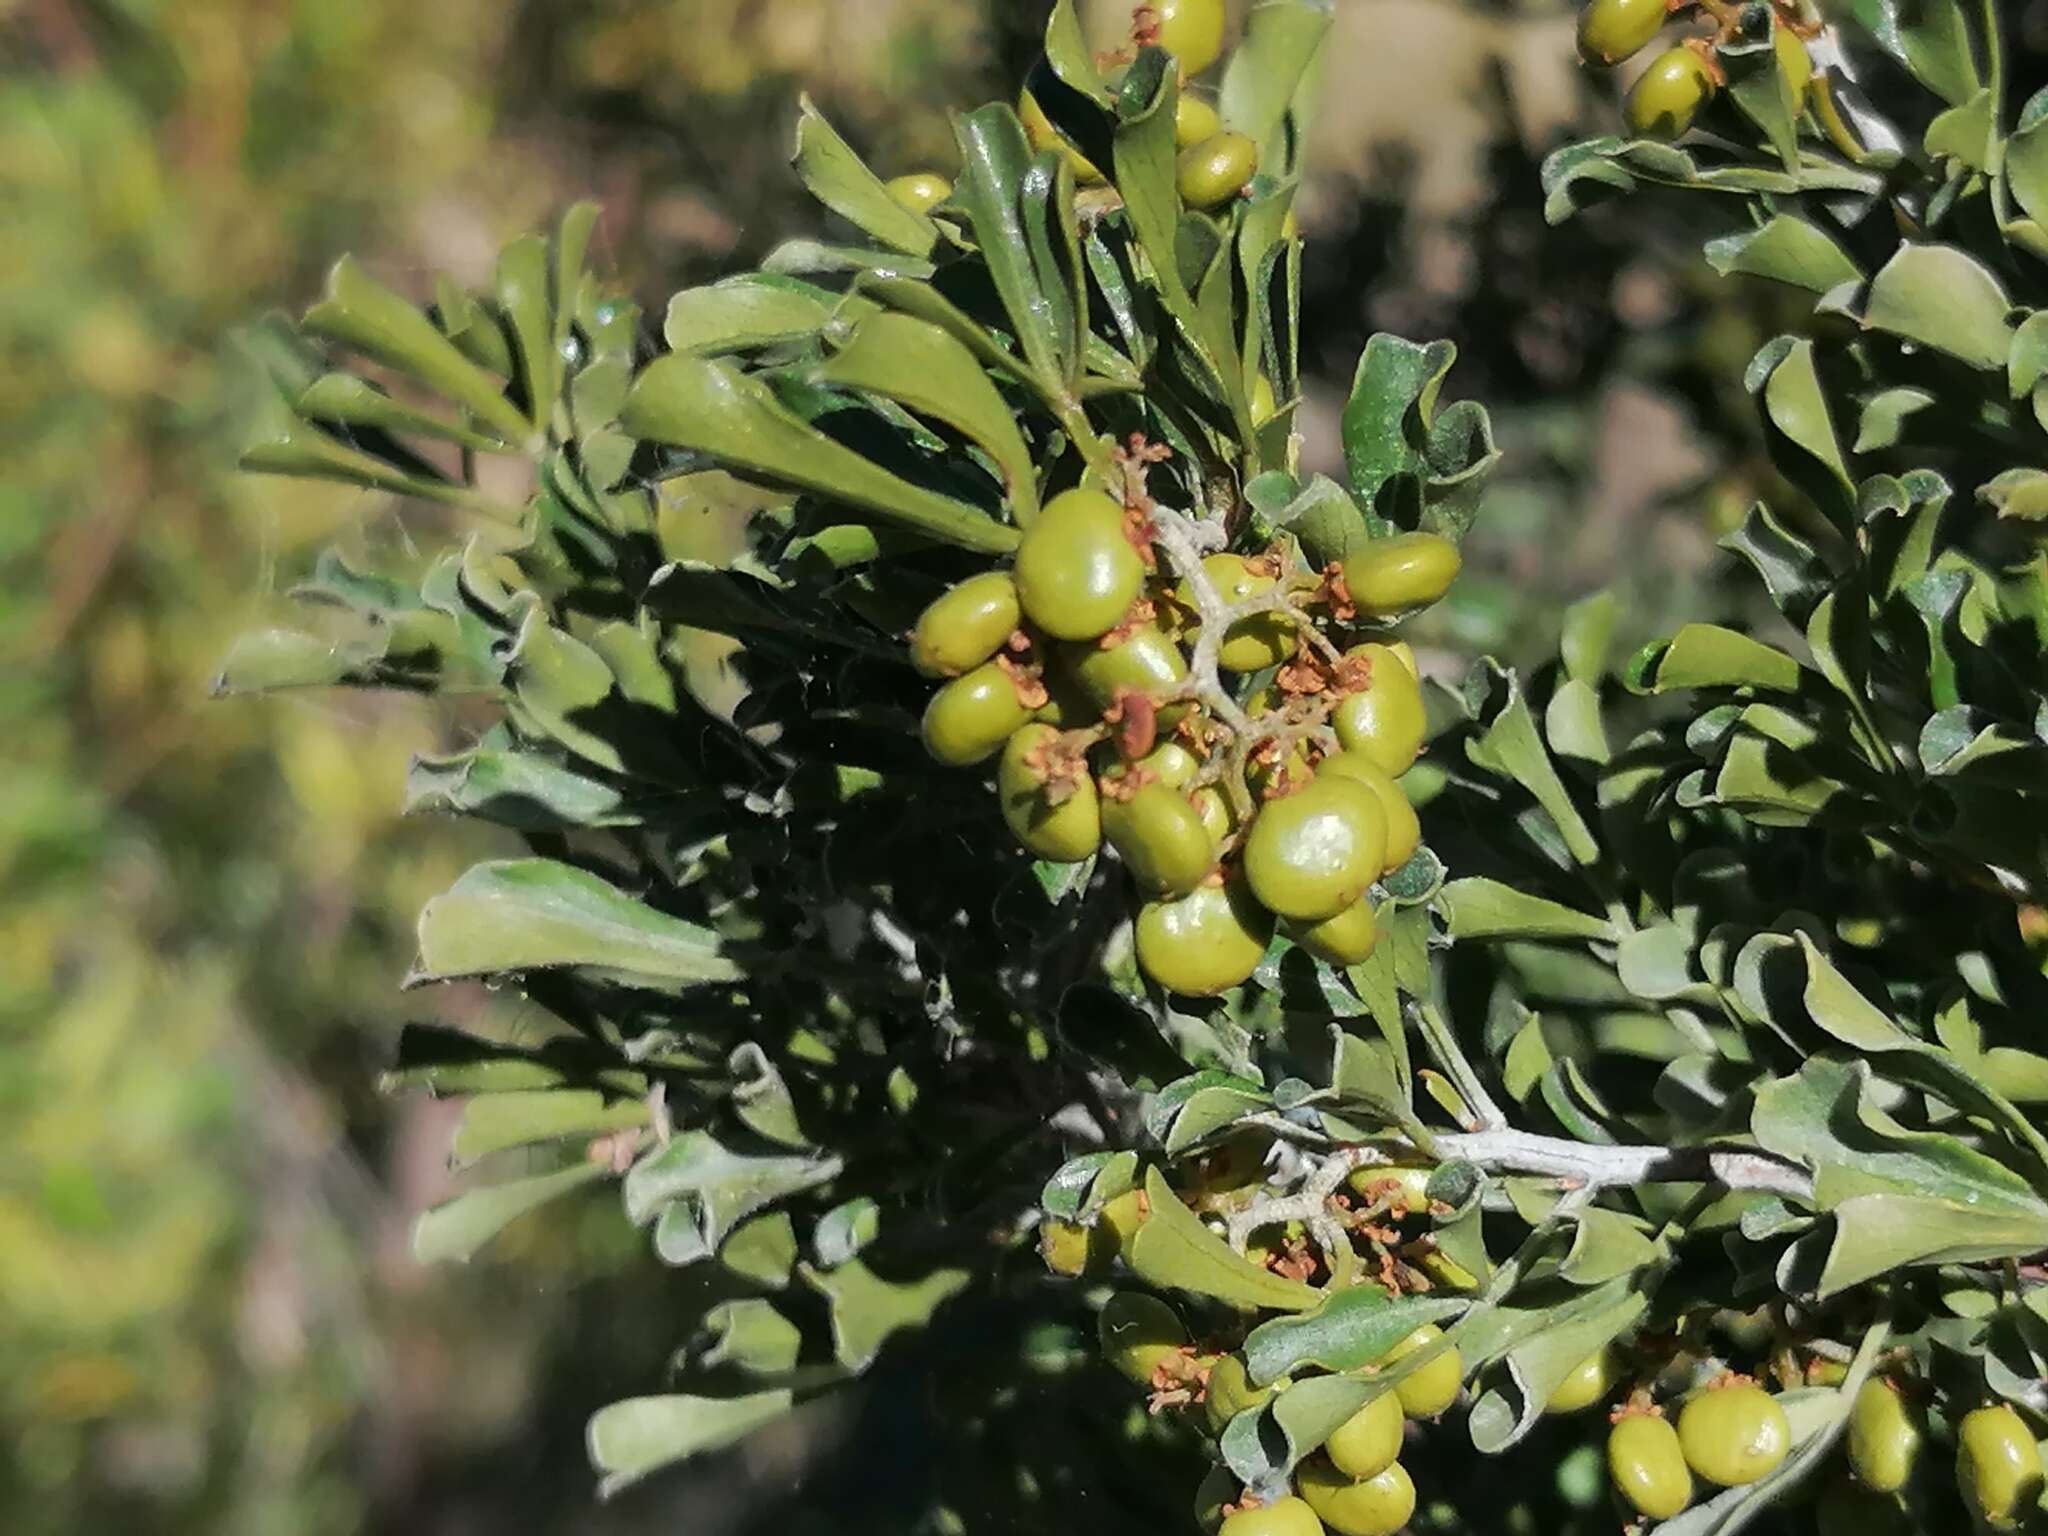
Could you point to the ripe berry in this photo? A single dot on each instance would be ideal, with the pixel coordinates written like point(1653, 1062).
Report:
point(1613, 30)
point(1143, 661)
point(1884, 1437)
point(1076, 571)
point(1214, 171)
point(1392, 575)
point(1349, 938)
point(1311, 854)
point(1194, 120)
point(1733, 1434)
point(1795, 64)
point(1404, 830)
point(1159, 834)
point(1065, 830)
point(1588, 1383)
point(1647, 1466)
point(1663, 103)
point(1998, 1465)
point(921, 191)
point(1139, 1333)
point(1383, 722)
point(1039, 129)
point(1283, 1517)
point(1251, 644)
point(1429, 1391)
point(966, 625)
point(1191, 30)
point(1368, 1442)
point(972, 716)
point(1207, 942)
point(1230, 1392)
point(1375, 1506)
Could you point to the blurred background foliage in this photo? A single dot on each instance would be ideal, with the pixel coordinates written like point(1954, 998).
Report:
point(209, 1320)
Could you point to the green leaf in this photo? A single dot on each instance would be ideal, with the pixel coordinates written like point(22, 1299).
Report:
point(1883, 421)
point(630, 1439)
point(841, 180)
point(1268, 70)
point(2026, 166)
point(354, 402)
point(1355, 1327)
point(535, 914)
point(1588, 632)
point(1511, 747)
point(1386, 420)
point(866, 1310)
point(1607, 1246)
point(1709, 656)
point(1942, 297)
point(360, 312)
point(1326, 521)
point(919, 365)
point(1930, 38)
point(751, 1335)
point(1539, 1364)
point(267, 660)
point(721, 1187)
point(1477, 908)
point(1898, 1197)
point(753, 309)
point(1174, 1249)
point(515, 789)
point(697, 403)
point(1786, 250)
point(491, 1122)
point(457, 1228)
point(994, 157)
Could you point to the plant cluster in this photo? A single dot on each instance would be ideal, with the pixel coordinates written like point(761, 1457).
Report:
point(1703, 1093)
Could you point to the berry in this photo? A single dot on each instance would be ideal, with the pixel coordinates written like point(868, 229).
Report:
point(1194, 120)
point(1065, 830)
point(1429, 1391)
point(1191, 30)
point(1077, 572)
point(1158, 832)
point(1138, 1334)
point(1404, 830)
point(1884, 1437)
point(1251, 644)
point(1613, 30)
point(1142, 661)
point(1230, 1392)
point(1998, 1465)
point(1795, 64)
point(1375, 1506)
point(1214, 171)
point(1733, 1434)
point(1207, 942)
point(1587, 1383)
point(920, 192)
point(1121, 1217)
point(1647, 1466)
point(1283, 1517)
point(1346, 939)
point(1039, 129)
point(1663, 103)
point(1383, 722)
point(966, 625)
point(1408, 570)
point(972, 716)
point(1312, 854)
point(1368, 1442)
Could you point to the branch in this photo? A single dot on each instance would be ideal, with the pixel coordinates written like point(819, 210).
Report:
point(1596, 1167)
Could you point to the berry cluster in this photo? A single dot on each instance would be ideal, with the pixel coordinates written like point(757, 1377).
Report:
point(1220, 719)
point(1680, 80)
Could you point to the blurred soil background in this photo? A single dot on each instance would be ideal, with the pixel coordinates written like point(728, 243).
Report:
point(209, 1318)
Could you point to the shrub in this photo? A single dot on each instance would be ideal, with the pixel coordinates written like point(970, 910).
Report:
point(1681, 1066)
